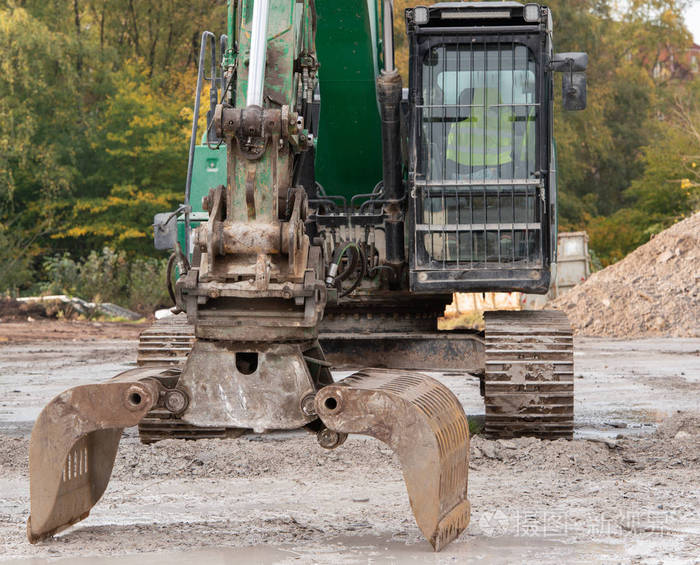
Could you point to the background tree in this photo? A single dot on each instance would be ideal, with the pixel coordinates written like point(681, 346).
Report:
point(97, 94)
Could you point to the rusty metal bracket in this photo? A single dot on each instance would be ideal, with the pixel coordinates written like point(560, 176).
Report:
point(74, 443)
point(424, 423)
point(247, 385)
point(253, 127)
point(294, 240)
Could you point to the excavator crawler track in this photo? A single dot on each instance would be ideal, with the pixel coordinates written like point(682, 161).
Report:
point(167, 342)
point(529, 378)
point(159, 424)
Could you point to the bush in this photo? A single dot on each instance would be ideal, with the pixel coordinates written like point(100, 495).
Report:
point(63, 275)
point(110, 276)
point(147, 290)
point(15, 262)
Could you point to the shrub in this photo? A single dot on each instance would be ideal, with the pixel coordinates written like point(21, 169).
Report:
point(147, 290)
point(110, 276)
point(15, 262)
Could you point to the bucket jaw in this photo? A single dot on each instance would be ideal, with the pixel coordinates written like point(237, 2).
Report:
point(74, 444)
point(75, 440)
point(424, 423)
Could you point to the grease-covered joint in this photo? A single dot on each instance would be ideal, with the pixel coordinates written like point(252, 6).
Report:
point(253, 126)
point(330, 439)
point(175, 401)
point(250, 238)
point(307, 405)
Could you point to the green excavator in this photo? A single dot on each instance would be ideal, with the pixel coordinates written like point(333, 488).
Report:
point(329, 215)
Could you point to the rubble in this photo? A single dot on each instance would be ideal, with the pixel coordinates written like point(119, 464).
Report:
point(60, 305)
point(654, 291)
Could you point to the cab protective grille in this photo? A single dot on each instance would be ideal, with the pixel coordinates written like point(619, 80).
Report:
point(476, 189)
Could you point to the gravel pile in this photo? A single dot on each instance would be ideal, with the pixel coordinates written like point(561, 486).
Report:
point(654, 291)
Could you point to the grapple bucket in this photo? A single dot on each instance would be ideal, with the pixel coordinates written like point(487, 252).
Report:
point(74, 443)
point(424, 423)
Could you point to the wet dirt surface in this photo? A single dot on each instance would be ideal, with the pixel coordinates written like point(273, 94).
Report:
point(624, 491)
point(68, 330)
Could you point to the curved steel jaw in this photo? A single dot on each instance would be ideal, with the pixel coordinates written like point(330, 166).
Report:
point(74, 443)
point(75, 440)
point(424, 423)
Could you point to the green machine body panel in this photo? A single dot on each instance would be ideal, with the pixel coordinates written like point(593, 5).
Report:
point(349, 150)
point(208, 171)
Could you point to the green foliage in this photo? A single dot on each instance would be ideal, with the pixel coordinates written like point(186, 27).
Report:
point(15, 260)
point(96, 97)
point(94, 107)
point(622, 161)
point(37, 100)
point(600, 149)
point(138, 284)
point(668, 187)
point(134, 169)
point(612, 237)
point(147, 285)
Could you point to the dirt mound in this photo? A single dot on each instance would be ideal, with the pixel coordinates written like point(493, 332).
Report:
point(654, 291)
point(680, 426)
point(11, 309)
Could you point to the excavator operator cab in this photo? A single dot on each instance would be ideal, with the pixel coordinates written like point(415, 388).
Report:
point(482, 205)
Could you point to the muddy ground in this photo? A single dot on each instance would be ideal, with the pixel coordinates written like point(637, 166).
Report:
point(43, 330)
point(626, 490)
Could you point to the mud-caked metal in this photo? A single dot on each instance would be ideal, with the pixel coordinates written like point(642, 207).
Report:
point(74, 443)
point(424, 423)
point(258, 386)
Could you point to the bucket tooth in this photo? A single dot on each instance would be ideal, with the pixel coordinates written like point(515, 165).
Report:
point(424, 423)
point(74, 443)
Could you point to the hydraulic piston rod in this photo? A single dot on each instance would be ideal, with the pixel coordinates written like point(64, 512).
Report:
point(388, 32)
point(258, 52)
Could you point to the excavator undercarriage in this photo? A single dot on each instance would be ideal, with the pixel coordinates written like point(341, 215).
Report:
point(276, 282)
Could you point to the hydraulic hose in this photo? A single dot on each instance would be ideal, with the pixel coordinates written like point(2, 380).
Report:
point(169, 277)
point(184, 265)
point(357, 258)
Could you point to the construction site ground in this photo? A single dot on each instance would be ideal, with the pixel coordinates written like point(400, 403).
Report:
point(625, 490)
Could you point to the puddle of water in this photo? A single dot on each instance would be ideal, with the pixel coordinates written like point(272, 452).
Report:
point(585, 432)
point(364, 549)
point(244, 555)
